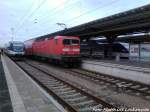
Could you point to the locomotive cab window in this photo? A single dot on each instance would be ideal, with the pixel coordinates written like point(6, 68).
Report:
point(66, 42)
point(70, 42)
point(75, 41)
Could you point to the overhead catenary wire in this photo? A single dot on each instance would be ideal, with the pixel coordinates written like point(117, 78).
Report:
point(26, 14)
point(59, 11)
point(85, 13)
point(90, 11)
point(56, 9)
point(55, 13)
point(63, 10)
point(35, 11)
point(32, 13)
point(66, 3)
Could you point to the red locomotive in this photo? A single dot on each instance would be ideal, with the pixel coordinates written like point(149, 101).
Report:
point(59, 49)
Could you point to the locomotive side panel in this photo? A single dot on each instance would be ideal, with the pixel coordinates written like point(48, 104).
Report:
point(64, 49)
point(29, 47)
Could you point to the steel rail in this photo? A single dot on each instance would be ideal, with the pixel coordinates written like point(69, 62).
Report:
point(133, 83)
point(78, 89)
point(61, 100)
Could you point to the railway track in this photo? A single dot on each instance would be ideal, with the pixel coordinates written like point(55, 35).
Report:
point(73, 98)
point(124, 85)
point(119, 84)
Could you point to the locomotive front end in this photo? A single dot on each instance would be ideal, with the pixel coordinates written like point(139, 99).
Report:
point(71, 50)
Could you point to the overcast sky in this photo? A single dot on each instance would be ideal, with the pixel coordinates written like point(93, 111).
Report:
point(25, 19)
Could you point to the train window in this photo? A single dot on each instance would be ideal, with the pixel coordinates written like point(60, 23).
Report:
point(18, 44)
point(66, 42)
point(70, 41)
point(75, 41)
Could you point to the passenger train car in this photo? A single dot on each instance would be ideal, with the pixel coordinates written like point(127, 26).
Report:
point(15, 48)
point(58, 49)
point(100, 49)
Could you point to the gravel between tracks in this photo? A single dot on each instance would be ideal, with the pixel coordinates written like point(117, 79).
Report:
point(99, 90)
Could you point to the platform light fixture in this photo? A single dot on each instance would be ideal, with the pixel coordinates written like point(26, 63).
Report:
point(62, 25)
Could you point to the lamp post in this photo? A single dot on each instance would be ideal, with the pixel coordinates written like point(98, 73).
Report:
point(62, 25)
point(12, 31)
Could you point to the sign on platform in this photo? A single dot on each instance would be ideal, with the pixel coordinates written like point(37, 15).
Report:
point(145, 50)
point(134, 50)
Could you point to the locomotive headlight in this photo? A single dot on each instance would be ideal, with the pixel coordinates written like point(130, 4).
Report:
point(65, 49)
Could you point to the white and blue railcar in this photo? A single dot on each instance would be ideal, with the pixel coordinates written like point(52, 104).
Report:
point(15, 48)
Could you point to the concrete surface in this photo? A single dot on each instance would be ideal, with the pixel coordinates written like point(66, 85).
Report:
point(100, 90)
point(5, 101)
point(135, 73)
point(26, 95)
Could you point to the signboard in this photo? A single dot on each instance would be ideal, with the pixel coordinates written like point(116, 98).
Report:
point(145, 50)
point(134, 50)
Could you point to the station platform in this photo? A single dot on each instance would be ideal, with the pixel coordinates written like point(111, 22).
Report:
point(25, 94)
point(136, 71)
point(5, 101)
point(127, 62)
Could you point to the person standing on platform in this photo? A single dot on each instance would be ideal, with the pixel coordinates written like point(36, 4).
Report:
point(2, 51)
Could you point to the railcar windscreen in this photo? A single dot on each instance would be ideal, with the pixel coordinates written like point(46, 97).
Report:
point(16, 45)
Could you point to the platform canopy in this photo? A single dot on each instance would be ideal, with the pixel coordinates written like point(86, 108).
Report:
point(135, 38)
point(122, 23)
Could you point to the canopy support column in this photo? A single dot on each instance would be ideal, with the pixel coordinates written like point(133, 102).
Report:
point(109, 51)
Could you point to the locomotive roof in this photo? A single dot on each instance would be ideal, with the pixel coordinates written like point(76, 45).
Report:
point(42, 37)
point(47, 36)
